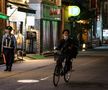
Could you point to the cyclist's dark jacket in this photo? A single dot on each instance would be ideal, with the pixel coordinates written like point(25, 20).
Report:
point(64, 47)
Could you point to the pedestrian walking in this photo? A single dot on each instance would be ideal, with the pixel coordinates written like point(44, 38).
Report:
point(8, 48)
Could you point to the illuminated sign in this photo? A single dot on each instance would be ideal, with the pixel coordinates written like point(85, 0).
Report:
point(51, 12)
point(3, 16)
point(73, 11)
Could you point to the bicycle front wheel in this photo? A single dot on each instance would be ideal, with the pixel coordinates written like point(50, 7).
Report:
point(56, 75)
point(67, 75)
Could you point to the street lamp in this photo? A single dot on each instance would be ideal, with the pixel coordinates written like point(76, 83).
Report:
point(73, 11)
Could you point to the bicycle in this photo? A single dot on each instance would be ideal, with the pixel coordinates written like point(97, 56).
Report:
point(61, 70)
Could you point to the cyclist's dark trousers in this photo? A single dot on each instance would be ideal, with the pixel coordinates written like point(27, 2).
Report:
point(9, 56)
point(60, 60)
point(68, 62)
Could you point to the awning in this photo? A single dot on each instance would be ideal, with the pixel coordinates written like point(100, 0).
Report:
point(22, 7)
point(26, 9)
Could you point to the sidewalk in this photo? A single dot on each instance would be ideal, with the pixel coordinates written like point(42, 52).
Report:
point(93, 53)
point(97, 51)
point(24, 66)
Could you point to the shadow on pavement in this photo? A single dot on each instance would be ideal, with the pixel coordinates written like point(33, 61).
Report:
point(82, 84)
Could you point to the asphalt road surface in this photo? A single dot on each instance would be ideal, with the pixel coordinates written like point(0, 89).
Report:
point(89, 73)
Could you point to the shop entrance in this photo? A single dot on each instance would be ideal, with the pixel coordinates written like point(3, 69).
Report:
point(50, 35)
point(31, 42)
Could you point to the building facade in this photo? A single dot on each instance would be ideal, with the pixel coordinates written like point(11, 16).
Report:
point(47, 23)
point(104, 16)
point(19, 15)
point(100, 32)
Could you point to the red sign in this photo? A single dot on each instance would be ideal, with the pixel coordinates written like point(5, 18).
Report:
point(54, 11)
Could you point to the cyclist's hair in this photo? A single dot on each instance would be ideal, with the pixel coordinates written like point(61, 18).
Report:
point(65, 30)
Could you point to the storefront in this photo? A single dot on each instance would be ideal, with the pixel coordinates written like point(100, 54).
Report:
point(31, 40)
point(51, 24)
point(47, 24)
point(18, 15)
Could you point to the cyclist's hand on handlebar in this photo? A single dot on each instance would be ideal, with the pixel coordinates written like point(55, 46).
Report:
point(57, 51)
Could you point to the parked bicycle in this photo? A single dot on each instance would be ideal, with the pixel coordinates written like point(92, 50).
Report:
point(61, 69)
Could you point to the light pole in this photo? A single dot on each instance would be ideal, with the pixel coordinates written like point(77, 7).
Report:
point(73, 11)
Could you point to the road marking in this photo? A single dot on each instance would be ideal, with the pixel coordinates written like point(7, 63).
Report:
point(45, 78)
point(28, 81)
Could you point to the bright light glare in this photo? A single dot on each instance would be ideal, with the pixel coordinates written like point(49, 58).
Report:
point(73, 11)
point(84, 45)
point(28, 81)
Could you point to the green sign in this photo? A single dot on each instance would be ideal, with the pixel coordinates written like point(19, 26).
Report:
point(73, 11)
point(51, 12)
point(3, 16)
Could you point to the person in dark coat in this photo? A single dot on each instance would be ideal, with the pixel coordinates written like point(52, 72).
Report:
point(8, 48)
point(68, 48)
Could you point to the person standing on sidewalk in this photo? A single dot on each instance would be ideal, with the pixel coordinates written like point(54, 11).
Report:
point(8, 48)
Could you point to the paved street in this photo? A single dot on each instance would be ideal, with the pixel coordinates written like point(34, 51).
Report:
point(90, 72)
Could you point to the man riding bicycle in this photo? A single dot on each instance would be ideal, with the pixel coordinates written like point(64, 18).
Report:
point(68, 48)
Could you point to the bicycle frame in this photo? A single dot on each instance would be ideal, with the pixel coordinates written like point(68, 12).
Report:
point(60, 71)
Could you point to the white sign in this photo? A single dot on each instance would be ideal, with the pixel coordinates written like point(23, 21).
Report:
point(30, 20)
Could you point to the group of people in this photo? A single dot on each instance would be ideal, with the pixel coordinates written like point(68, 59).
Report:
point(67, 44)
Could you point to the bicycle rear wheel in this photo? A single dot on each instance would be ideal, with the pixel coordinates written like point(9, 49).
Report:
point(56, 75)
